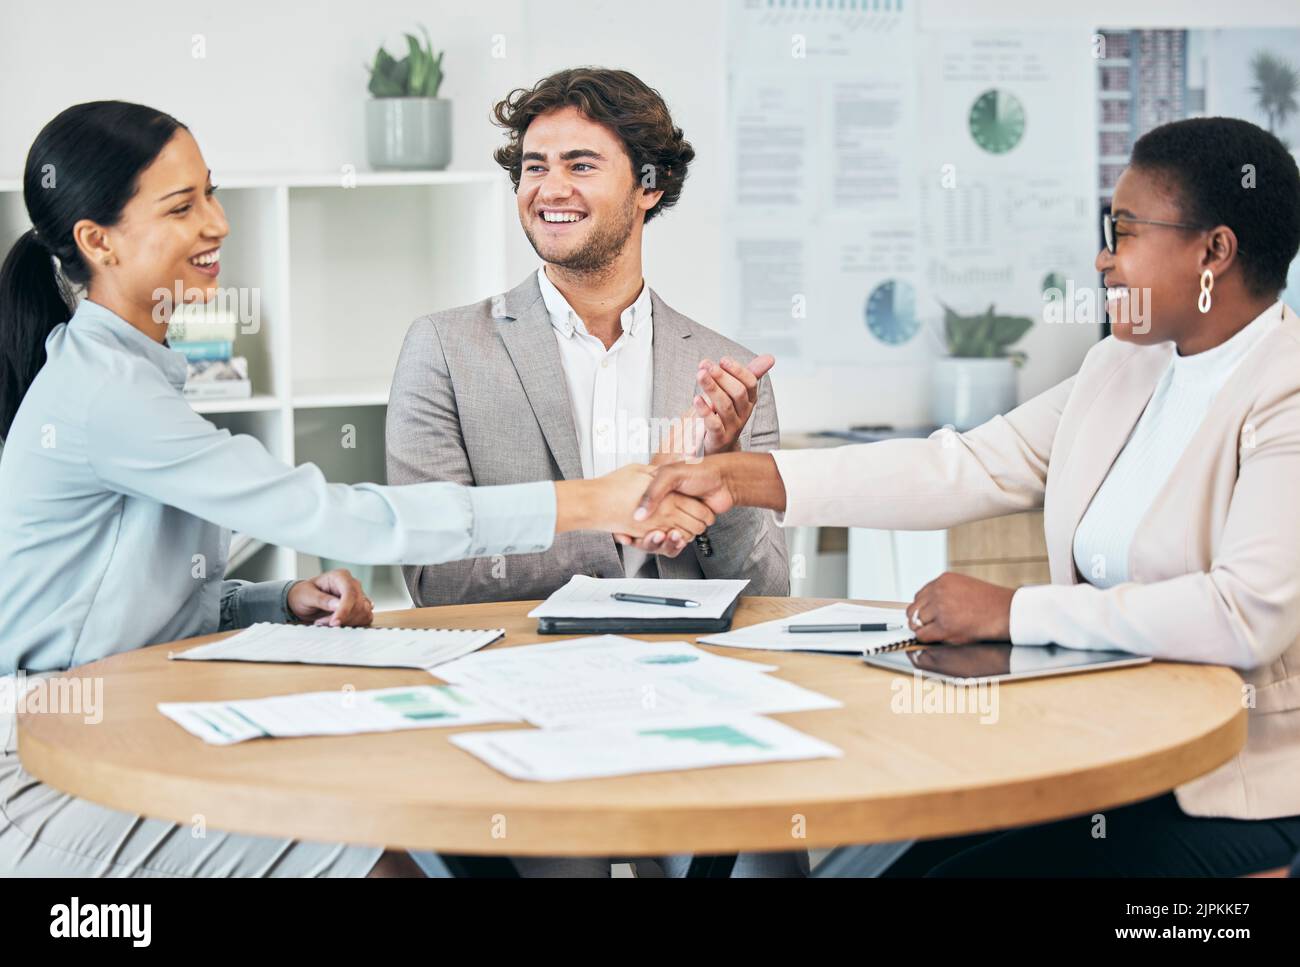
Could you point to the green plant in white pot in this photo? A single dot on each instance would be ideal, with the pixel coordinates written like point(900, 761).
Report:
point(977, 379)
point(407, 125)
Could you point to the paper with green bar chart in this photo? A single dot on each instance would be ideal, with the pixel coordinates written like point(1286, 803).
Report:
point(685, 742)
point(341, 712)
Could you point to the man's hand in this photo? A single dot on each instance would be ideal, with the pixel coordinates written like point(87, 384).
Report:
point(684, 438)
point(960, 609)
point(728, 393)
point(334, 598)
point(608, 503)
point(711, 425)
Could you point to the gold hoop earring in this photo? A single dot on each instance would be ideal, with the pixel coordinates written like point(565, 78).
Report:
point(1207, 286)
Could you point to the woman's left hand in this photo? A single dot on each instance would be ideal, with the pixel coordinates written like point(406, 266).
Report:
point(958, 610)
point(334, 598)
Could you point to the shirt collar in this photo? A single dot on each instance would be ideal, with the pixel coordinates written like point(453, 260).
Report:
point(566, 322)
point(1211, 367)
point(93, 315)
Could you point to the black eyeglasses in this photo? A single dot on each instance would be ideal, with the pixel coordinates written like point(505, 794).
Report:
point(1108, 227)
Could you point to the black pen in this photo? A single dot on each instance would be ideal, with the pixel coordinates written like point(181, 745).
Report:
point(650, 599)
point(812, 629)
point(702, 542)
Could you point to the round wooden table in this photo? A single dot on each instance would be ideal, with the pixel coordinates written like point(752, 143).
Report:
point(1060, 746)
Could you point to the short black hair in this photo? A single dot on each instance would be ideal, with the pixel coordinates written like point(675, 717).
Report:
point(1205, 160)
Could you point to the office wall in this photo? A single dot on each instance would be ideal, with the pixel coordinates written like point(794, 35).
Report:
point(282, 86)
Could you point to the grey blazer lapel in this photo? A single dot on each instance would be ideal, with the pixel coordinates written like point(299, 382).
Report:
point(674, 383)
point(526, 331)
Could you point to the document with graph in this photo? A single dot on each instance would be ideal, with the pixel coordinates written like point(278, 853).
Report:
point(340, 712)
point(697, 742)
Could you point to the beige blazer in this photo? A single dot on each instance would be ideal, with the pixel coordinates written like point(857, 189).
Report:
point(1215, 564)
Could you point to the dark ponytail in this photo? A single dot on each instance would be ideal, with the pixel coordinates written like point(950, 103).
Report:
point(85, 164)
point(32, 302)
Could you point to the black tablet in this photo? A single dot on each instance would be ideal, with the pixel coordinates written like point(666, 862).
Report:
point(996, 662)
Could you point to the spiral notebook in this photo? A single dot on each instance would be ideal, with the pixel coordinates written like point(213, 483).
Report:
point(369, 647)
point(773, 636)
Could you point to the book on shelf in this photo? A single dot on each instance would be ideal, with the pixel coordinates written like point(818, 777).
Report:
point(202, 322)
point(205, 350)
point(218, 379)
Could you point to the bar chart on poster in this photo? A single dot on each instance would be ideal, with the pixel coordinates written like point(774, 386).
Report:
point(1008, 216)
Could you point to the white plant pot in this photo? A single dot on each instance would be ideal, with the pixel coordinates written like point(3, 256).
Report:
point(968, 392)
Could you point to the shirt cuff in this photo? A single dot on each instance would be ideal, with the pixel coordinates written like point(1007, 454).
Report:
point(512, 519)
point(1030, 615)
point(263, 601)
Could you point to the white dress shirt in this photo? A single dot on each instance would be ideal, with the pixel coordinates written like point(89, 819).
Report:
point(610, 389)
point(1176, 411)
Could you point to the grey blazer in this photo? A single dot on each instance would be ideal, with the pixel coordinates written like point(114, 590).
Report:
point(479, 397)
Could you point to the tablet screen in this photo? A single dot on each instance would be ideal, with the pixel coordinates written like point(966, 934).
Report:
point(1001, 661)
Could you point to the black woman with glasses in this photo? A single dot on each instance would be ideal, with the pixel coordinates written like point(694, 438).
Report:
point(1168, 470)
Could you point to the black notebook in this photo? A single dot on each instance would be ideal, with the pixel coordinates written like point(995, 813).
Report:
point(638, 626)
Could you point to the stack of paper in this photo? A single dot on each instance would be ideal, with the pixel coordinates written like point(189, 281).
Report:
point(610, 705)
point(606, 705)
point(369, 647)
point(609, 679)
point(773, 636)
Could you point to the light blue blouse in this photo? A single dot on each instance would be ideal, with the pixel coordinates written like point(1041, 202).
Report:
point(117, 501)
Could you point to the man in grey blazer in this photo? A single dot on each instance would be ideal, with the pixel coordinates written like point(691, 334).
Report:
point(579, 366)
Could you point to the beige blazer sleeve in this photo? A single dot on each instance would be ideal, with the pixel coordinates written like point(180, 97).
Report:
point(1243, 612)
point(946, 479)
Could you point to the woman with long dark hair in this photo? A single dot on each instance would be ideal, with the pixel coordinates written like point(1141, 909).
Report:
point(117, 498)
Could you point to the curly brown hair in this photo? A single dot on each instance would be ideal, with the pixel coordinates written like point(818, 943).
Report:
point(617, 99)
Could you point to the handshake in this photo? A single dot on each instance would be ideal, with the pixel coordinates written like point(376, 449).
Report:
point(613, 503)
point(661, 508)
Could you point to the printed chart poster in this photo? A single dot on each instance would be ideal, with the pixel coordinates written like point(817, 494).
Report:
point(1008, 202)
point(822, 230)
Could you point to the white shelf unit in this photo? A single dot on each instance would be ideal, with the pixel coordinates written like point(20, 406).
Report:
point(342, 267)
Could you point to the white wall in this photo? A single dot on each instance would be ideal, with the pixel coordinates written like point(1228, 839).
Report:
point(282, 87)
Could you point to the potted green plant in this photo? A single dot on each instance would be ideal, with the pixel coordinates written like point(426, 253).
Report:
point(977, 379)
point(407, 125)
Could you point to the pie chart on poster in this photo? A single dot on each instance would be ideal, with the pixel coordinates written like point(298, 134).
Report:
point(891, 312)
point(997, 121)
